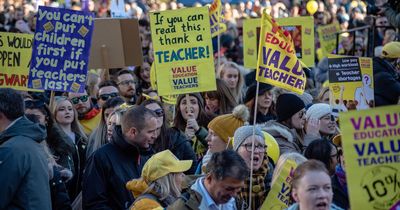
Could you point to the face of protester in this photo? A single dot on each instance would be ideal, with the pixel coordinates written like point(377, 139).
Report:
point(108, 111)
point(265, 100)
point(223, 190)
point(299, 119)
point(325, 97)
point(334, 159)
point(145, 72)
point(126, 85)
point(212, 103)
point(64, 113)
point(106, 93)
point(327, 125)
point(259, 151)
point(314, 191)
point(111, 122)
point(231, 77)
point(194, 108)
point(41, 117)
point(215, 143)
point(81, 102)
point(145, 137)
point(178, 178)
point(160, 115)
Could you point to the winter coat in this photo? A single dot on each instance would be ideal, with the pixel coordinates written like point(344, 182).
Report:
point(59, 195)
point(24, 173)
point(340, 197)
point(288, 139)
point(386, 83)
point(108, 170)
point(295, 206)
point(70, 156)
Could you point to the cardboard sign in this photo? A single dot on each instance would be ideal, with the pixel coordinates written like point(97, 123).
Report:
point(122, 46)
point(300, 28)
point(217, 20)
point(182, 51)
point(279, 196)
point(15, 55)
point(327, 37)
point(371, 146)
point(351, 83)
point(277, 61)
point(60, 54)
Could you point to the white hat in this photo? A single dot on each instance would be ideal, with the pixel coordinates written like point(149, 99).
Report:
point(317, 111)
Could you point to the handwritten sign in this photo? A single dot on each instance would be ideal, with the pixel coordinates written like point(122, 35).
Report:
point(61, 47)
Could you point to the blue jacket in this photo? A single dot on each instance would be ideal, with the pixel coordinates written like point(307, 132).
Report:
point(24, 173)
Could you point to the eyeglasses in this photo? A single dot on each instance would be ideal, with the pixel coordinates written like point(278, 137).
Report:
point(76, 100)
point(34, 104)
point(302, 113)
point(127, 82)
point(106, 96)
point(159, 112)
point(260, 148)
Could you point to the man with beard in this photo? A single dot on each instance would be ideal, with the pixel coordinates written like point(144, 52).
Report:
point(226, 173)
point(89, 116)
point(113, 165)
point(126, 86)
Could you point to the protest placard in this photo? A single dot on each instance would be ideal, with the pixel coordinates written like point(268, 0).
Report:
point(371, 146)
point(217, 20)
point(279, 196)
point(351, 83)
point(15, 55)
point(61, 47)
point(183, 54)
point(277, 61)
point(300, 28)
point(327, 37)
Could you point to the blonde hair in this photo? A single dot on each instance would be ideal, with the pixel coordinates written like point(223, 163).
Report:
point(296, 157)
point(76, 127)
point(237, 92)
point(165, 187)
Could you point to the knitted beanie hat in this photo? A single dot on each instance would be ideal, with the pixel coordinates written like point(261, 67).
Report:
point(317, 111)
point(242, 133)
point(225, 125)
point(287, 105)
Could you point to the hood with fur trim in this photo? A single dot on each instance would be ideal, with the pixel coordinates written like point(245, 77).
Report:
point(278, 130)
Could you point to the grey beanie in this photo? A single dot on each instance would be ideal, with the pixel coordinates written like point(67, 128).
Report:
point(242, 133)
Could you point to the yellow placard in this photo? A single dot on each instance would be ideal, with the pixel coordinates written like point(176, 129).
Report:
point(300, 28)
point(183, 53)
point(371, 146)
point(169, 99)
point(327, 38)
point(351, 83)
point(15, 56)
point(277, 61)
point(217, 20)
point(279, 196)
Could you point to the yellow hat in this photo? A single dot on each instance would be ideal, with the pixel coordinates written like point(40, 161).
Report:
point(337, 140)
point(391, 50)
point(162, 164)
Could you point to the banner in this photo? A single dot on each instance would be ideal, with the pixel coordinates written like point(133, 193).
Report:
point(371, 146)
point(217, 20)
point(183, 54)
point(277, 61)
point(300, 28)
point(15, 55)
point(327, 38)
point(279, 196)
point(61, 46)
point(351, 83)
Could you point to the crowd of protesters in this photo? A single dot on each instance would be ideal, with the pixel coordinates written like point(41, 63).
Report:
point(119, 145)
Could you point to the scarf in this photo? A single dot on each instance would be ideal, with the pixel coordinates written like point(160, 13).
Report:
point(258, 192)
point(341, 175)
point(92, 113)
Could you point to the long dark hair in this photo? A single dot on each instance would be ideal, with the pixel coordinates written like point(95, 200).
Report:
point(321, 150)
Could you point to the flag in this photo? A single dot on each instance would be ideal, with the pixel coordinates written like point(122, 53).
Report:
point(217, 20)
point(277, 62)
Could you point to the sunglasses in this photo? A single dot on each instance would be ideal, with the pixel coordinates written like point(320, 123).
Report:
point(127, 82)
point(34, 104)
point(159, 112)
point(76, 100)
point(105, 97)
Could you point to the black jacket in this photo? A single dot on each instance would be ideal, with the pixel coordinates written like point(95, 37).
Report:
point(386, 83)
point(59, 195)
point(24, 173)
point(107, 172)
point(180, 146)
point(340, 197)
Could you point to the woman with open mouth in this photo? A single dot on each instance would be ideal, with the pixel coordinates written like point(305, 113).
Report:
point(312, 188)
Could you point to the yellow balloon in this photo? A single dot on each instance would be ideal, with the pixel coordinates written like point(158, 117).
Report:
point(312, 7)
point(273, 147)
